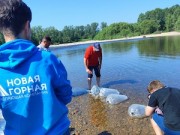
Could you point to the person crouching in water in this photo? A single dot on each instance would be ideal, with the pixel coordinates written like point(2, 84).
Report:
point(164, 108)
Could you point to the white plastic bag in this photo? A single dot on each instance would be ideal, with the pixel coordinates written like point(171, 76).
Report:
point(104, 92)
point(78, 91)
point(2, 123)
point(136, 111)
point(95, 90)
point(115, 98)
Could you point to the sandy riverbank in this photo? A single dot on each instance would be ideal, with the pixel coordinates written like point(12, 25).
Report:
point(91, 116)
point(174, 33)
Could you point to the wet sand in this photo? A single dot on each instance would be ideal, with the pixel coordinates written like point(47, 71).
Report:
point(91, 116)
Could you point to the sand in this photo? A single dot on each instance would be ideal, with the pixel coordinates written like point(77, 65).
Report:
point(174, 33)
point(91, 116)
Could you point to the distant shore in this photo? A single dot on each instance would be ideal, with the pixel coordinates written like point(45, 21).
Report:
point(174, 33)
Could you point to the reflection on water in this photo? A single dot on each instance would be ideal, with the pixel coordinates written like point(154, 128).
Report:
point(97, 113)
point(162, 46)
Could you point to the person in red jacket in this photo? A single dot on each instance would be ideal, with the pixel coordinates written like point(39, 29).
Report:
point(93, 61)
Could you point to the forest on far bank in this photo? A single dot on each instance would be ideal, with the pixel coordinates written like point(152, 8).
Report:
point(154, 21)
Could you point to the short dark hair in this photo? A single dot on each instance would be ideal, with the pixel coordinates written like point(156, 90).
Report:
point(47, 38)
point(13, 16)
point(155, 84)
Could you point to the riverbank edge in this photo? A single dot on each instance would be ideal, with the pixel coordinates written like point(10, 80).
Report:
point(173, 33)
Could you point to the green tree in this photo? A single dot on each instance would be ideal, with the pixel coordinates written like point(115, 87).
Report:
point(177, 25)
point(68, 34)
point(56, 35)
point(103, 25)
point(157, 15)
point(148, 26)
point(79, 33)
point(94, 30)
point(169, 23)
point(37, 34)
point(141, 17)
point(87, 31)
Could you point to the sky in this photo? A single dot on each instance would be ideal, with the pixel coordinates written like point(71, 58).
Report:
point(61, 13)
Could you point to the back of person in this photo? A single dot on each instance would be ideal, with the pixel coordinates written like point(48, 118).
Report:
point(34, 91)
point(163, 107)
point(169, 101)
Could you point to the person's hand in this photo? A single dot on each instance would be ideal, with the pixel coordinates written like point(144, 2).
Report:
point(99, 67)
point(88, 71)
point(158, 111)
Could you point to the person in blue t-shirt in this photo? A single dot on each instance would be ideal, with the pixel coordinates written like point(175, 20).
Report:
point(34, 89)
point(164, 108)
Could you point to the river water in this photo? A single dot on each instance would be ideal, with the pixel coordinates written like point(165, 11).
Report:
point(129, 64)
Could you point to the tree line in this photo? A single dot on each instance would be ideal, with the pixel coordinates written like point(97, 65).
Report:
point(154, 21)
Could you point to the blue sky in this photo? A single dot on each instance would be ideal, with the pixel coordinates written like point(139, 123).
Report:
point(60, 13)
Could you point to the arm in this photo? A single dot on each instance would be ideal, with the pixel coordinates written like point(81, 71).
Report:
point(152, 105)
point(85, 64)
point(100, 62)
point(86, 67)
point(100, 59)
point(149, 110)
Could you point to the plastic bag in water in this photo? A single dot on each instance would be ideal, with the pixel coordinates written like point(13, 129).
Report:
point(116, 98)
point(2, 123)
point(1, 133)
point(95, 90)
point(78, 91)
point(104, 92)
point(136, 110)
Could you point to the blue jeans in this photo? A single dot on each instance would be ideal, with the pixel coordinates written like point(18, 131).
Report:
point(159, 119)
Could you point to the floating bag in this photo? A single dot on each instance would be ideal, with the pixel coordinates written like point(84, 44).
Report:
point(95, 90)
point(2, 123)
point(136, 111)
point(116, 98)
point(104, 92)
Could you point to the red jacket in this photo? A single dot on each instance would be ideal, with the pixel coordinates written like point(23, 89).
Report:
point(92, 56)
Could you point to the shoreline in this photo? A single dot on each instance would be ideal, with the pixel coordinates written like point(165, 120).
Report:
point(173, 33)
